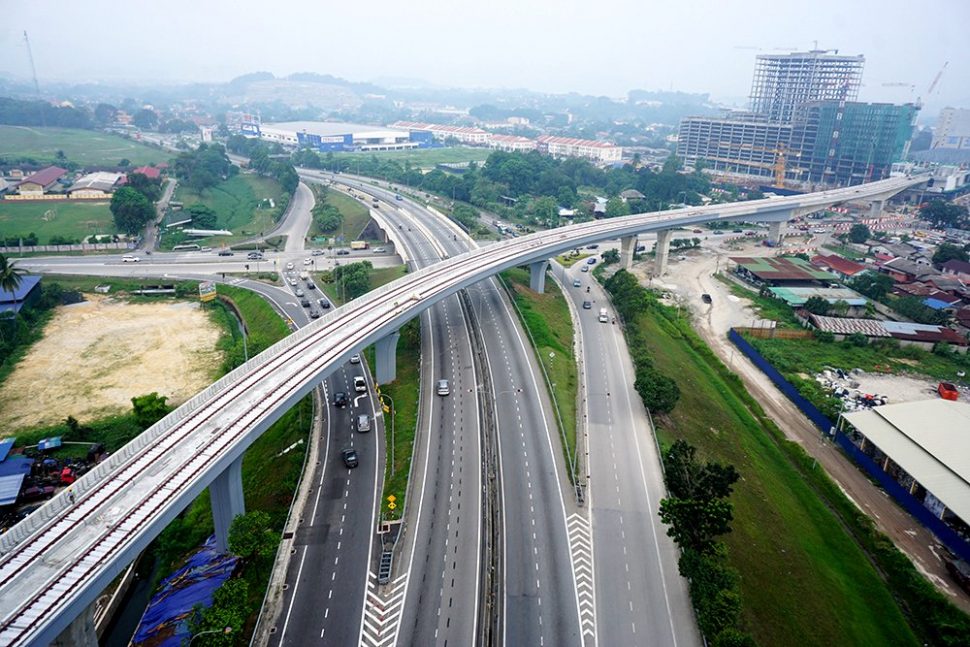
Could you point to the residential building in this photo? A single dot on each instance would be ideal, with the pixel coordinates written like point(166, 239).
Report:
point(151, 172)
point(41, 182)
point(586, 148)
point(952, 129)
point(840, 267)
point(923, 336)
point(796, 297)
point(784, 81)
point(512, 143)
point(959, 269)
point(464, 134)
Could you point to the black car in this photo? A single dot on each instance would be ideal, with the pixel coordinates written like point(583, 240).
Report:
point(305, 302)
point(343, 252)
point(587, 305)
point(340, 399)
point(350, 457)
point(324, 303)
point(706, 298)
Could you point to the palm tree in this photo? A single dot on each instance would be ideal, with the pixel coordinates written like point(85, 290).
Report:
point(10, 275)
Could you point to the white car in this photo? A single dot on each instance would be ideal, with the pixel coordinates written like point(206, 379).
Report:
point(128, 258)
point(360, 384)
point(307, 261)
point(380, 250)
point(289, 266)
point(355, 359)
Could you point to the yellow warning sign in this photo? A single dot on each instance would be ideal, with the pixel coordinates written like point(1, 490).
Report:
point(391, 506)
point(392, 498)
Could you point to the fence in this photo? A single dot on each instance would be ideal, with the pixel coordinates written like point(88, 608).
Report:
point(79, 247)
point(943, 532)
point(776, 333)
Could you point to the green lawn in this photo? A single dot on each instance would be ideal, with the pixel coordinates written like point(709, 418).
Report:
point(238, 203)
point(356, 216)
point(547, 318)
point(804, 581)
point(85, 147)
point(425, 157)
point(70, 219)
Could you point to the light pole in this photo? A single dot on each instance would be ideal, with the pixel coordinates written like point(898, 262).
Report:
point(224, 631)
point(391, 400)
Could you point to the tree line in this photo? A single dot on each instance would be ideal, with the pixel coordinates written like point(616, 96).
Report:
point(266, 160)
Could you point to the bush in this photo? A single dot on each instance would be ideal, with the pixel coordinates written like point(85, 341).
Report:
point(658, 391)
point(857, 339)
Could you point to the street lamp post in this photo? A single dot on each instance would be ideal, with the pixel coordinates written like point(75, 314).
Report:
point(382, 396)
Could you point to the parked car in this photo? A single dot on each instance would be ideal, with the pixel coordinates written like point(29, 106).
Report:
point(37, 493)
point(592, 247)
point(360, 384)
point(340, 399)
point(349, 457)
point(128, 258)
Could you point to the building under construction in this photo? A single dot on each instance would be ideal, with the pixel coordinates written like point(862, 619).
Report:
point(804, 127)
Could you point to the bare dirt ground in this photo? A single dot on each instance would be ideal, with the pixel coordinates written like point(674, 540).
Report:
point(686, 281)
point(96, 355)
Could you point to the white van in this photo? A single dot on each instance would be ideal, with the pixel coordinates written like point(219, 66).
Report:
point(363, 423)
point(604, 316)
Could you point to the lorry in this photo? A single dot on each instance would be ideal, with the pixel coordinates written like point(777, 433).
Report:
point(359, 244)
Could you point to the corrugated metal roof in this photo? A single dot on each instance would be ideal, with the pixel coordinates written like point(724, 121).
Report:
point(782, 268)
point(798, 296)
point(928, 439)
point(10, 488)
point(5, 446)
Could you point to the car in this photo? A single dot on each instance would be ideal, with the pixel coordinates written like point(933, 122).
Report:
point(577, 283)
point(300, 292)
point(255, 256)
point(442, 387)
point(343, 252)
point(698, 231)
point(584, 268)
point(355, 358)
point(324, 303)
point(289, 266)
point(128, 258)
point(349, 457)
point(363, 423)
point(293, 282)
point(226, 252)
point(360, 384)
point(398, 197)
point(307, 261)
point(380, 250)
point(314, 313)
point(706, 298)
point(317, 252)
point(305, 302)
point(311, 286)
point(340, 399)
point(592, 247)
point(587, 305)
point(591, 261)
point(205, 249)
point(737, 231)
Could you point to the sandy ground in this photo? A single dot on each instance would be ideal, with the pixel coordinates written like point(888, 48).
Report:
point(96, 355)
point(686, 281)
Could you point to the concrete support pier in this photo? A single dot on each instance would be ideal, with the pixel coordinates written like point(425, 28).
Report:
point(876, 207)
point(537, 276)
point(662, 251)
point(774, 233)
point(226, 494)
point(80, 633)
point(385, 356)
point(628, 246)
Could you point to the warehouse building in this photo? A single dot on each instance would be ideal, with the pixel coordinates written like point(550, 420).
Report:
point(925, 447)
point(95, 186)
point(463, 134)
point(326, 136)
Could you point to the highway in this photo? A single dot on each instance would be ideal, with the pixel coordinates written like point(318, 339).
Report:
point(641, 599)
point(539, 595)
point(140, 488)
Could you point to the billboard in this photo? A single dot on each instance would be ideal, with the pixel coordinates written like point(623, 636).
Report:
point(207, 291)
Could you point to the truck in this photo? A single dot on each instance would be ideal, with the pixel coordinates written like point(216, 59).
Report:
point(359, 244)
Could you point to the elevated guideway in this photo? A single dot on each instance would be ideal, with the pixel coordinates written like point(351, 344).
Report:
point(56, 562)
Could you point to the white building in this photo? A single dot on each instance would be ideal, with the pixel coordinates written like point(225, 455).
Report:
point(335, 136)
point(512, 143)
point(952, 129)
point(587, 148)
point(93, 186)
point(464, 134)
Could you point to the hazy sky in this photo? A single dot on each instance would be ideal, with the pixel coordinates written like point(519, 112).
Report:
point(591, 46)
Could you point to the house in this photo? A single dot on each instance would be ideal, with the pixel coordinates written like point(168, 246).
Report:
point(26, 294)
point(599, 208)
point(41, 181)
point(923, 336)
point(841, 267)
point(957, 268)
point(631, 194)
point(567, 213)
point(99, 185)
point(151, 172)
point(905, 271)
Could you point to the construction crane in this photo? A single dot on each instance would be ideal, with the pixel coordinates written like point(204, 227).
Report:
point(929, 90)
point(33, 68)
point(780, 164)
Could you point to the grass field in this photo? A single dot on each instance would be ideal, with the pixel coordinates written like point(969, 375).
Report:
point(237, 205)
point(85, 147)
point(356, 216)
point(804, 581)
point(425, 157)
point(548, 320)
point(68, 219)
point(378, 276)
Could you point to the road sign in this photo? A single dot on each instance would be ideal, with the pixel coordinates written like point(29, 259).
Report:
point(207, 291)
point(391, 506)
point(392, 498)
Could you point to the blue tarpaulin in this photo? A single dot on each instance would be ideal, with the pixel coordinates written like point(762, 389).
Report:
point(12, 473)
point(5, 446)
point(49, 443)
point(165, 621)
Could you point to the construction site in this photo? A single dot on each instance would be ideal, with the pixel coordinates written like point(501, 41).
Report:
point(805, 129)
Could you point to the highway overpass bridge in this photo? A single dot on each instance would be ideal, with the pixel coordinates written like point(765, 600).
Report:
point(55, 563)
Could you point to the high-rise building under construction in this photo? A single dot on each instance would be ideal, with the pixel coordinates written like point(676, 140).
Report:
point(784, 81)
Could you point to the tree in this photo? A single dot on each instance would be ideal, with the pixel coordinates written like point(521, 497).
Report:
point(658, 391)
point(145, 119)
point(817, 305)
point(131, 210)
point(202, 216)
point(695, 523)
point(611, 256)
point(105, 113)
point(251, 536)
point(859, 233)
point(947, 252)
point(10, 275)
point(615, 207)
point(688, 478)
point(944, 214)
point(151, 189)
point(150, 408)
point(327, 217)
point(872, 284)
point(229, 608)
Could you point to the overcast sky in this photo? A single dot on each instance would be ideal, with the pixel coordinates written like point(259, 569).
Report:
point(589, 46)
